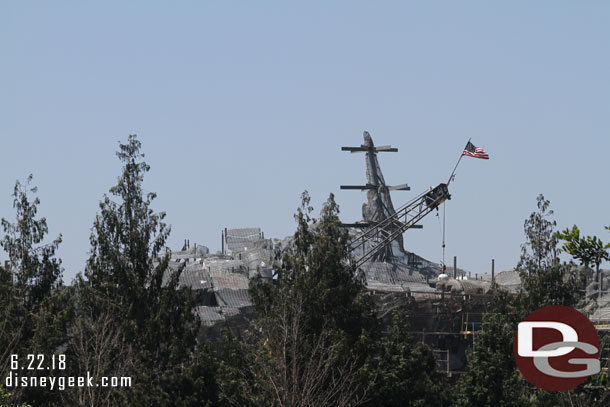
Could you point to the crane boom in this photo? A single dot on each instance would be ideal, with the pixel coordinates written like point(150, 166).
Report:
point(378, 235)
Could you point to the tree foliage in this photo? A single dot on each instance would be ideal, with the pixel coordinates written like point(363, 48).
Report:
point(33, 265)
point(128, 273)
point(317, 341)
point(313, 317)
point(492, 377)
point(545, 280)
point(590, 250)
point(5, 399)
point(35, 310)
point(402, 372)
point(539, 252)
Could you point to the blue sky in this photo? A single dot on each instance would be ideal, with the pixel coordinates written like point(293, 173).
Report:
point(240, 106)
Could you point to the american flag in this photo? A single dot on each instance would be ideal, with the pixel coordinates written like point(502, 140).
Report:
point(471, 151)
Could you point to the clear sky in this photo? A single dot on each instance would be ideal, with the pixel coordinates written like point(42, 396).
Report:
point(241, 106)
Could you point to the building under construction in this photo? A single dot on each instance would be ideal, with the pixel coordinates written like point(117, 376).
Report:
point(445, 304)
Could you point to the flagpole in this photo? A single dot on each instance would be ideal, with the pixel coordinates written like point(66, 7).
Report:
point(458, 163)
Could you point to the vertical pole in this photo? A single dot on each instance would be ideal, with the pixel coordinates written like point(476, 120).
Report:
point(493, 276)
point(222, 242)
point(455, 267)
point(458, 163)
point(444, 264)
point(473, 341)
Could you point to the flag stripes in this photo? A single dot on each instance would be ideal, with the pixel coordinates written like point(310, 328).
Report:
point(472, 151)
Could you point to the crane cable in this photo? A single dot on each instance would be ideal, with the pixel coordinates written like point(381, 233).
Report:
point(442, 230)
point(444, 265)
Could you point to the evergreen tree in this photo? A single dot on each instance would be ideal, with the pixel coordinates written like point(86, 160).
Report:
point(404, 373)
point(35, 309)
point(314, 318)
point(240, 374)
point(539, 252)
point(492, 377)
point(35, 269)
point(129, 274)
point(314, 270)
point(545, 280)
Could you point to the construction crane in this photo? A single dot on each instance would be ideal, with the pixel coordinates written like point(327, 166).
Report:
point(378, 235)
point(382, 224)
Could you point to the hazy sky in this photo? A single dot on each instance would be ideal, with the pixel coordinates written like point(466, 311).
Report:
point(241, 106)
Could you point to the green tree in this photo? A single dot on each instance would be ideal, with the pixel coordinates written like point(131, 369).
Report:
point(239, 380)
point(404, 373)
point(12, 319)
point(548, 282)
point(315, 318)
point(128, 273)
point(315, 267)
point(35, 269)
point(5, 399)
point(588, 249)
point(35, 307)
point(539, 252)
point(545, 280)
point(492, 377)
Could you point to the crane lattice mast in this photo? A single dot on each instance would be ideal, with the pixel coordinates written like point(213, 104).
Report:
point(383, 224)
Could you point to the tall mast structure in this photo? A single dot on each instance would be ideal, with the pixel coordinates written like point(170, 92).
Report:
point(382, 226)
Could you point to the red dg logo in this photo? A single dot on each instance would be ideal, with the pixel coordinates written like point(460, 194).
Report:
point(556, 348)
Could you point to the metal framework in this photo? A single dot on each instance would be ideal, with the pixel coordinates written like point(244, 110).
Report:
point(378, 235)
point(382, 224)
